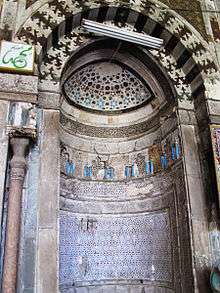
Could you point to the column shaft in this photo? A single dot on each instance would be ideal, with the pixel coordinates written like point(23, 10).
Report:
point(18, 169)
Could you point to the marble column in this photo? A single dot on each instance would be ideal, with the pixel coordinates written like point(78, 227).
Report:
point(17, 174)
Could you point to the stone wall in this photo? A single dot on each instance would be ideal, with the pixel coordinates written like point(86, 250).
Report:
point(106, 226)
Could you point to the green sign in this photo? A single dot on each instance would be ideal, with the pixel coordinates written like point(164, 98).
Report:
point(16, 57)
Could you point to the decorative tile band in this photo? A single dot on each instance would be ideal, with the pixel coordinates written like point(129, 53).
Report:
point(146, 163)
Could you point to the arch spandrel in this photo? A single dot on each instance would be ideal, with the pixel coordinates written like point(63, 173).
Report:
point(56, 10)
point(31, 6)
point(185, 53)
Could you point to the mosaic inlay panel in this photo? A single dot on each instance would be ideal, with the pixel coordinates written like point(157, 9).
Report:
point(147, 162)
point(126, 247)
point(106, 87)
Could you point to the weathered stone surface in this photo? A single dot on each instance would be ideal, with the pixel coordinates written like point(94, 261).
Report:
point(17, 97)
point(82, 290)
point(49, 169)
point(48, 100)
point(185, 104)
point(97, 289)
point(106, 148)
point(202, 256)
point(214, 107)
point(28, 247)
point(147, 140)
point(125, 147)
point(122, 289)
point(22, 84)
point(136, 289)
point(4, 108)
point(213, 89)
point(49, 86)
point(47, 280)
point(47, 265)
point(29, 290)
point(29, 260)
point(187, 117)
point(7, 20)
point(190, 146)
point(198, 207)
point(109, 289)
point(198, 198)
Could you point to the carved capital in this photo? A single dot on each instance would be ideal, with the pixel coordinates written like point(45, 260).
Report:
point(22, 132)
point(18, 162)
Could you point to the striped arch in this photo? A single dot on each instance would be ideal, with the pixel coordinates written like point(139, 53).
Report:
point(55, 30)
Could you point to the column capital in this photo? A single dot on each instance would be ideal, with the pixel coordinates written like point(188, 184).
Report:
point(22, 120)
point(22, 132)
point(18, 162)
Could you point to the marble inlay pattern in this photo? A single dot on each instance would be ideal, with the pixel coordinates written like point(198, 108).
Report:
point(128, 247)
point(106, 86)
point(51, 26)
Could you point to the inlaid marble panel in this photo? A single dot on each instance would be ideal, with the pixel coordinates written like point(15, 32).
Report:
point(125, 247)
point(106, 87)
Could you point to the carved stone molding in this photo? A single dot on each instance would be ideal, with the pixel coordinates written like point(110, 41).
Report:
point(22, 132)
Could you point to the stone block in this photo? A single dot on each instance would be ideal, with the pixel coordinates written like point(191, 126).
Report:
point(47, 268)
point(78, 142)
point(150, 289)
point(49, 86)
point(136, 289)
point(204, 140)
point(122, 289)
point(7, 19)
point(28, 290)
point(67, 288)
point(196, 83)
point(168, 125)
point(149, 26)
point(106, 148)
point(197, 197)
point(214, 119)
point(126, 147)
point(212, 89)
point(49, 169)
point(49, 100)
point(166, 36)
point(178, 50)
point(17, 97)
point(188, 65)
point(202, 114)
point(108, 289)
point(22, 84)
point(4, 108)
point(187, 117)
point(190, 149)
point(82, 290)
point(147, 140)
point(97, 289)
point(185, 104)
point(214, 107)
point(29, 262)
